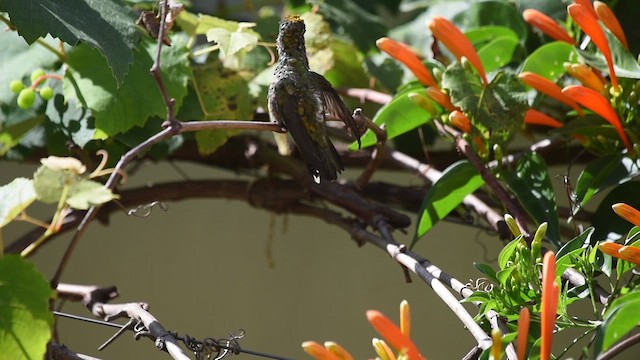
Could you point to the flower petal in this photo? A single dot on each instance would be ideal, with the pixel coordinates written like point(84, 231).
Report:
point(535, 117)
point(441, 98)
point(405, 318)
point(597, 103)
point(631, 254)
point(405, 55)
point(586, 76)
point(448, 34)
point(337, 350)
point(627, 212)
point(589, 24)
point(547, 25)
point(548, 88)
point(460, 120)
point(610, 20)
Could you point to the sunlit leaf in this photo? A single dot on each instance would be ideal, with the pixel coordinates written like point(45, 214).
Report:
point(14, 198)
point(624, 62)
point(26, 322)
point(498, 52)
point(547, 60)
point(86, 193)
point(603, 172)
point(507, 251)
point(492, 13)
point(620, 318)
point(457, 181)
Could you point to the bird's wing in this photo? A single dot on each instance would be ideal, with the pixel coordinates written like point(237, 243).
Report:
point(322, 158)
point(334, 105)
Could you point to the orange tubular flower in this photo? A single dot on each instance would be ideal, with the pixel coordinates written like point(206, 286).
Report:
point(609, 20)
point(448, 34)
point(548, 88)
point(586, 76)
point(597, 103)
point(318, 351)
point(338, 350)
point(523, 332)
point(460, 120)
point(392, 334)
point(535, 117)
point(441, 98)
point(626, 253)
point(589, 24)
point(547, 25)
point(627, 212)
point(405, 55)
point(405, 318)
point(382, 349)
point(549, 305)
point(587, 5)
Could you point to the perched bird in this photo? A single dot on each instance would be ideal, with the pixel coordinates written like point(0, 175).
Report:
point(302, 100)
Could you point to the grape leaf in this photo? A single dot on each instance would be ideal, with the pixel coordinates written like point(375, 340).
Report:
point(103, 24)
point(497, 108)
point(457, 181)
point(15, 197)
point(118, 109)
point(223, 94)
point(86, 193)
point(10, 135)
point(73, 122)
point(25, 325)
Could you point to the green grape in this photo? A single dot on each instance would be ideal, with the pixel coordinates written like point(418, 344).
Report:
point(16, 86)
point(46, 93)
point(36, 74)
point(26, 98)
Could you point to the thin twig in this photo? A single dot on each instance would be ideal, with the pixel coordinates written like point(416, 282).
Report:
point(367, 95)
point(620, 347)
point(377, 155)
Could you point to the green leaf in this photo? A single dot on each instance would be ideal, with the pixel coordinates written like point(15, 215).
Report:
point(610, 226)
point(85, 193)
point(10, 136)
point(497, 108)
point(118, 109)
point(102, 24)
point(483, 35)
point(232, 42)
point(507, 251)
point(487, 270)
point(532, 187)
point(547, 60)
point(603, 172)
point(504, 274)
point(49, 184)
point(622, 317)
point(399, 116)
point(492, 13)
point(14, 198)
point(75, 122)
point(224, 95)
point(457, 181)
point(581, 241)
point(26, 322)
point(497, 53)
point(358, 24)
point(624, 63)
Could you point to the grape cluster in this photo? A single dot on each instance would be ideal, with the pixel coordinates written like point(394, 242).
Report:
point(27, 95)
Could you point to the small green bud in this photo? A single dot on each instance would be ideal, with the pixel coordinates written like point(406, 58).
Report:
point(26, 98)
point(466, 64)
point(36, 74)
point(512, 224)
point(46, 93)
point(497, 153)
point(437, 74)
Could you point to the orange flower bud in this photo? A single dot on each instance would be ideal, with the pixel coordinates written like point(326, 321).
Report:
point(588, 22)
point(317, 351)
point(626, 253)
point(609, 20)
point(449, 35)
point(523, 332)
point(586, 76)
point(405, 55)
point(405, 318)
point(549, 305)
point(597, 103)
point(441, 98)
point(460, 120)
point(382, 349)
point(338, 350)
point(535, 117)
point(548, 88)
point(627, 212)
point(547, 25)
point(587, 5)
point(392, 334)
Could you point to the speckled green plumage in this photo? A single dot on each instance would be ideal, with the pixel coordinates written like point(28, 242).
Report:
point(301, 99)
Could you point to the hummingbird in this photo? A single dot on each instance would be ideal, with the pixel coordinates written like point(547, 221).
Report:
point(302, 100)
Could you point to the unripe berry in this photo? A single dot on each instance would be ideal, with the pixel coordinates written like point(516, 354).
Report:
point(16, 86)
point(36, 74)
point(26, 98)
point(46, 93)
